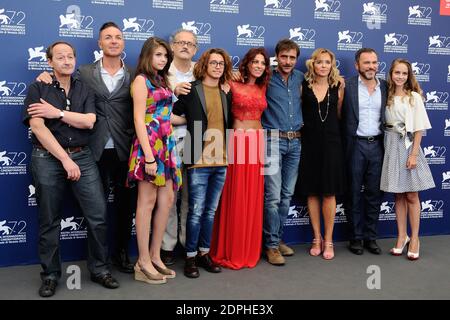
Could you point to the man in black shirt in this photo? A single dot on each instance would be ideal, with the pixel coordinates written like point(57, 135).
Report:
point(61, 115)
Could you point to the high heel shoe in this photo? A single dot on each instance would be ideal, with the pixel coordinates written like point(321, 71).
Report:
point(328, 245)
point(169, 273)
point(414, 255)
point(399, 251)
point(140, 274)
point(316, 251)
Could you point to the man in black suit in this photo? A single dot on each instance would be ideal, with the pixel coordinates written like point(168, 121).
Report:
point(110, 140)
point(207, 110)
point(362, 114)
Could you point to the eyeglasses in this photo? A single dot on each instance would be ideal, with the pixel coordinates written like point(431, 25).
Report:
point(185, 43)
point(215, 63)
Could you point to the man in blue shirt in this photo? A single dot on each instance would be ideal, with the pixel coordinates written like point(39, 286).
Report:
point(362, 117)
point(282, 120)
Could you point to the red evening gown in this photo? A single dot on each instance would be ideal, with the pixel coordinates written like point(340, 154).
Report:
point(237, 232)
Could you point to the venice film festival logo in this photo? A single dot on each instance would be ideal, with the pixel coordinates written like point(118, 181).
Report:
point(438, 44)
point(98, 54)
point(381, 73)
point(298, 215)
point(37, 61)
point(278, 8)
point(435, 154)
point(12, 22)
point(168, 4)
point(13, 231)
point(419, 16)
point(248, 35)
point(446, 180)
point(137, 29)
point(12, 163)
point(374, 14)
point(396, 42)
point(12, 92)
point(421, 71)
point(32, 196)
point(436, 100)
point(224, 6)
point(303, 37)
point(327, 9)
point(432, 209)
point(201, 29)
point(387, 211)
point(349, 40)
point(447, 128)
point(73, 228)
point(109, 2)
point(75, 25)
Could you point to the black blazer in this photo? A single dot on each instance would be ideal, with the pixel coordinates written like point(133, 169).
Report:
point(193, 106)
point(114, 111)
point(350, 112)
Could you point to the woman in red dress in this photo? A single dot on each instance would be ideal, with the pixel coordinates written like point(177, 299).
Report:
point(237, 232)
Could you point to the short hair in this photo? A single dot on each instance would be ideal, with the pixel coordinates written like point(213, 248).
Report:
point(248, 58)
point(178, 31)
point(49, 51)
point(287, 44)
point(364, 50)
point(107, 25)
point(202, 65)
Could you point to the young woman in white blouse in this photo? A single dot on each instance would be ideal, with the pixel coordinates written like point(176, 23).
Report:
point(405, 170)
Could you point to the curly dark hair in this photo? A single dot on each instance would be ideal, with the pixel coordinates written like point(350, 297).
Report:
point(248, 58)
point(202, 65)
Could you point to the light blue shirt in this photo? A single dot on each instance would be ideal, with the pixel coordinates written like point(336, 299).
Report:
point(111, 82)
point(369, 110)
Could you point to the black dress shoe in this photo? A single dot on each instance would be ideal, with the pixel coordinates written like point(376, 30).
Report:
point(372, 246)
point(190, 268)
point(122, 262)
point(168, 257)
point(106, 280)
point(356, 247)
point(48, 288)
point(205, 262)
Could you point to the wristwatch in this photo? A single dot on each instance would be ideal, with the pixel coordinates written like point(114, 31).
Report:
point(61, 115)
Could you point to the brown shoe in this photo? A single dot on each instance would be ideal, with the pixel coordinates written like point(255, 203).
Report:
point(190, 268)
point(285, 250)
point(274, 257)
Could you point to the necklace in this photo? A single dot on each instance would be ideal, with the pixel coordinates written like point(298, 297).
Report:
point(328, 106)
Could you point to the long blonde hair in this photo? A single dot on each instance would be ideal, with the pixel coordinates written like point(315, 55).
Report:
point(310, 76)
point(410, 85)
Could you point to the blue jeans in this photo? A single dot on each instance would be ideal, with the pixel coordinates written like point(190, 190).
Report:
point(281, 171)
point(205, 188)
point(50, 179)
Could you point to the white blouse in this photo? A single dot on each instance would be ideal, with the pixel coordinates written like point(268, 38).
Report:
point(413, 116)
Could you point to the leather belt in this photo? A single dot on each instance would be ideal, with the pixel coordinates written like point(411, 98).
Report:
point(370, 138)
point(69, 150)
point(286, 134)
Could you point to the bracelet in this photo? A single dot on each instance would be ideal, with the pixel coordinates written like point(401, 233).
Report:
point(414, 155)
point(150, 162)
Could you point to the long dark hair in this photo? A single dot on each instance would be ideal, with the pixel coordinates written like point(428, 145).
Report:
point(145, 67)
point(248, 58)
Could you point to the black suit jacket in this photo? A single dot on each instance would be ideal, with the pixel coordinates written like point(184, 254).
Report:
point(350, 112)
point(193, 106)
point(114, 111)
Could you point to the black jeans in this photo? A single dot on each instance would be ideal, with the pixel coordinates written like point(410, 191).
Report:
point(50, 179)
point(113, 173)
